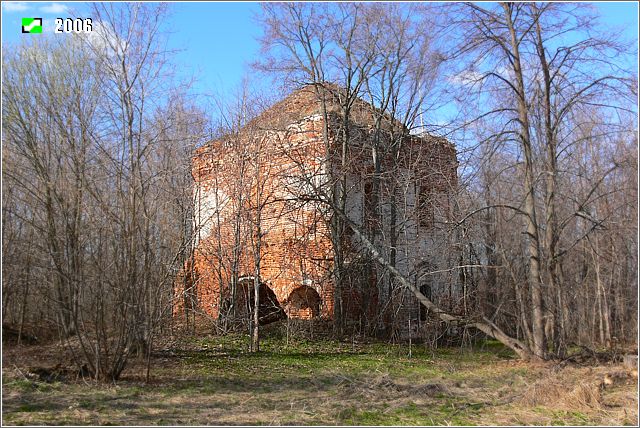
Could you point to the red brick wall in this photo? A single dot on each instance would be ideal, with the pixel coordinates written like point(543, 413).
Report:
point(296, 245)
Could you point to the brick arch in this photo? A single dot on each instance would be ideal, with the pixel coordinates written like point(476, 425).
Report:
point(269, 309)
point(303, 302)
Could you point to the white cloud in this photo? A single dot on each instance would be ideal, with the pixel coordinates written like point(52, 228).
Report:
point(54, 8)
point(103, 40)
point(14, 6)
point(466, 78)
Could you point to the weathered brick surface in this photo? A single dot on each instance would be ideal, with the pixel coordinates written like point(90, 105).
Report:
point(284, 147)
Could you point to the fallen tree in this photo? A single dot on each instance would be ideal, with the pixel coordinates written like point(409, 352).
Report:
point(485, 326)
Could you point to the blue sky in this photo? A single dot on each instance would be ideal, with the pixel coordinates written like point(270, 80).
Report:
point(217, 40)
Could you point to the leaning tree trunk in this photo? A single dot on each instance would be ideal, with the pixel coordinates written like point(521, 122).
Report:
point(486, 326)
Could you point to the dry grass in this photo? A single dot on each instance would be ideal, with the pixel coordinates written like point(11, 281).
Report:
point(554, 392)
point(208, 381)
point(572, 395)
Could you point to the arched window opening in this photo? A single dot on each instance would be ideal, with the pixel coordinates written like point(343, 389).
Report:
point(303, 302)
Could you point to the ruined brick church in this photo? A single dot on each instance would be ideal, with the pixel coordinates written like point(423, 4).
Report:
point(280, 166)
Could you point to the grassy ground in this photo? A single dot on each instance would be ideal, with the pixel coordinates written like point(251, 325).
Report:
point(213, 380)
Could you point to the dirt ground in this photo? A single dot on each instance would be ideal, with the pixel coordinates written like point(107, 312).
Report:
point(214, 381)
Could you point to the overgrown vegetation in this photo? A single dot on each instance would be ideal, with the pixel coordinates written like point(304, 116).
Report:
point(99, 230)
point(216, 380)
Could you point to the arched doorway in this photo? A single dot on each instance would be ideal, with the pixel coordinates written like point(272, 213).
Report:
point(269, 309)
point(303, 302)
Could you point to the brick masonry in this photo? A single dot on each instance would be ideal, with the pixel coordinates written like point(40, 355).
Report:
point(273, 167)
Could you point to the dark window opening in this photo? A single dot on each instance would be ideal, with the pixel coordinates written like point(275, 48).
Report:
point(425, 289)
point(425, 207)
point(368, 204)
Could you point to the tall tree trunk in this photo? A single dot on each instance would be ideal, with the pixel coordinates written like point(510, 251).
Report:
point(551, 169)
point(604, 329)
point(533, 240)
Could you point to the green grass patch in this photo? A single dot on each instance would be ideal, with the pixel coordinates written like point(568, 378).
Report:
point(564, 417)
point(29, 408)
point(410, 414)
point(215, 380)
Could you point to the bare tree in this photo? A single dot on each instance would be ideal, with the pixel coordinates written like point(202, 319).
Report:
point(354, 63)
point(315, 44)
point(545, 80)
point(510, 60)
point(93, 157)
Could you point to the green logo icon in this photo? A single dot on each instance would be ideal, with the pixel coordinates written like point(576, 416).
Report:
point(32, 25)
